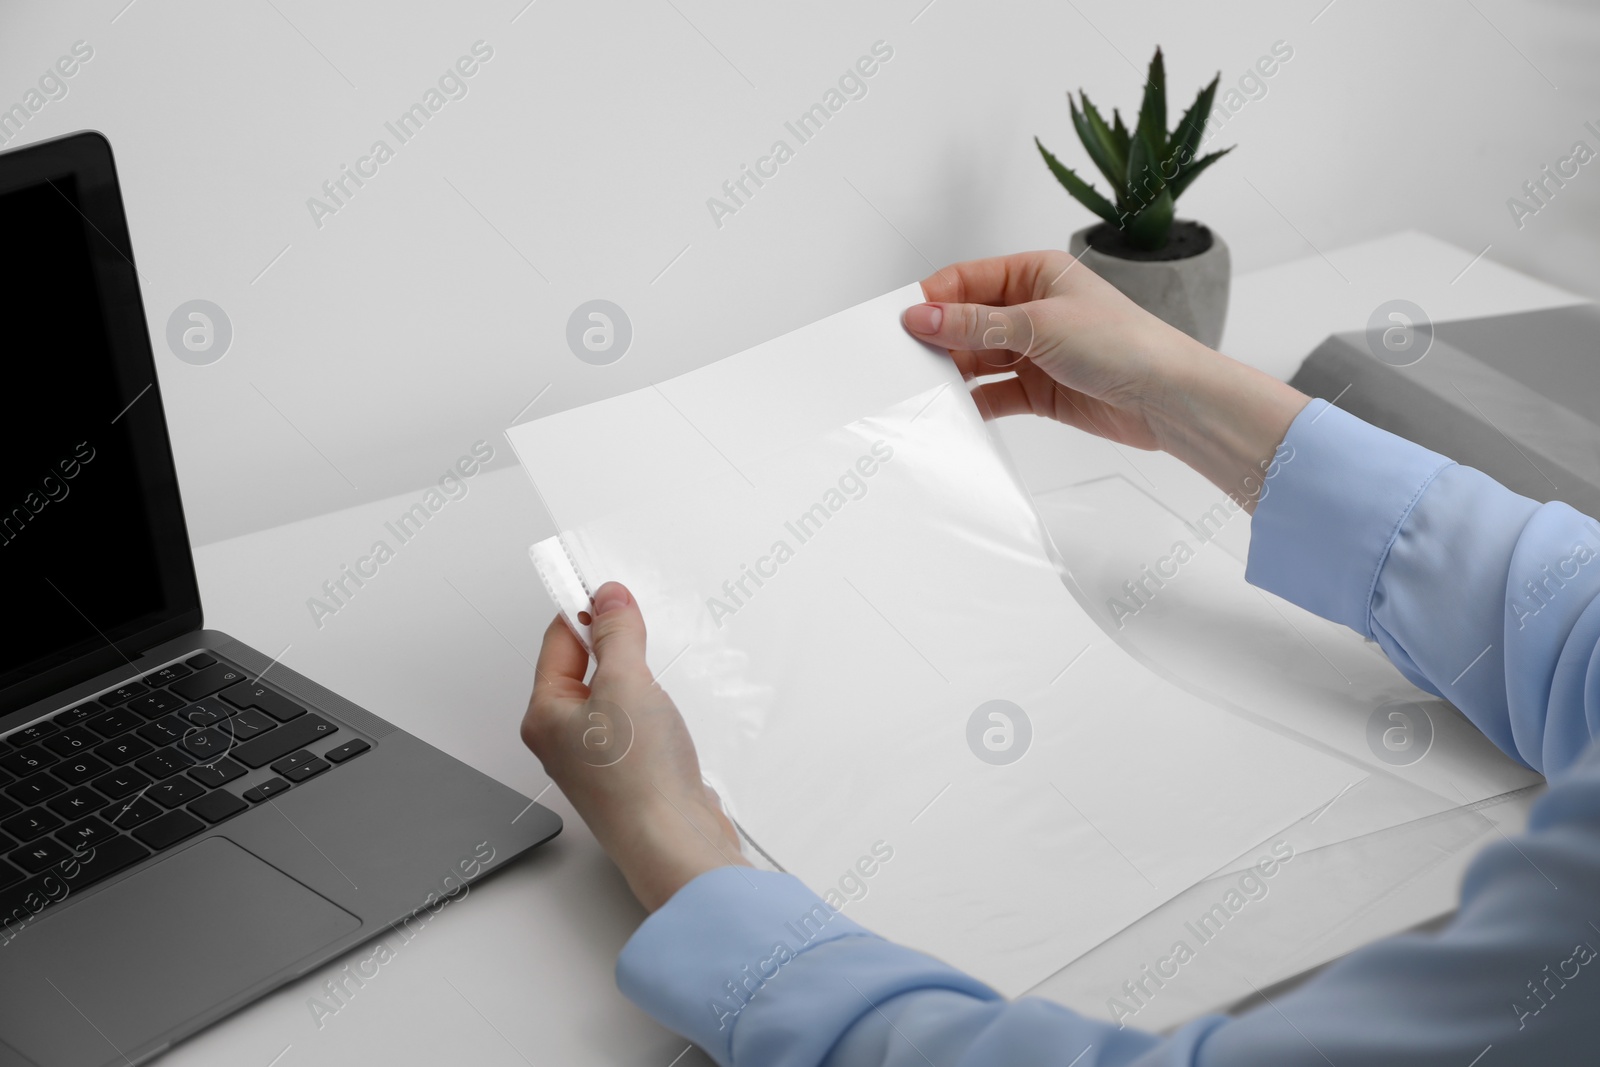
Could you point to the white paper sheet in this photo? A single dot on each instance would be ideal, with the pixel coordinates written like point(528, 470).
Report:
point(833, 707)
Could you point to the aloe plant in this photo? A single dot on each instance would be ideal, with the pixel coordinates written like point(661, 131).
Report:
point(1148, 168)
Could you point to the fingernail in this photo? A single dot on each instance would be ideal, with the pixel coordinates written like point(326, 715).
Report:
point(610, 597)
point(924, 318)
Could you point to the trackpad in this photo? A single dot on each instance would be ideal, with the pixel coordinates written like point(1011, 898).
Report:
point(103, 977)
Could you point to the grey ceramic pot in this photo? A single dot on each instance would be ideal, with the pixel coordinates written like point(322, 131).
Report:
point(1191, 293)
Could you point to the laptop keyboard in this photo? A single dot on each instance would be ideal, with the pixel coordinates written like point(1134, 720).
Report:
point(95, 789)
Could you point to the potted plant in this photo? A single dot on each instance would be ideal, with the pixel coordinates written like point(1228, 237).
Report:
point(1176, 269)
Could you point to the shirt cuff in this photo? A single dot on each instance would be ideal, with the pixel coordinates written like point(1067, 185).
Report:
point(760, 951)
point(704, 955)
point(1332, 509)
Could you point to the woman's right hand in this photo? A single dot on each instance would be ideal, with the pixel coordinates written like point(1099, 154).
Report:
point(1080, 352)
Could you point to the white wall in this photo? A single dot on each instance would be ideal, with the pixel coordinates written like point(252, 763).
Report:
point(379, 347)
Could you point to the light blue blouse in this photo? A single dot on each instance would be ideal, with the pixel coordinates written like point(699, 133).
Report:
point(1481, 596)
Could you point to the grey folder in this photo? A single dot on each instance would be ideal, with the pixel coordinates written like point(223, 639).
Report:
point(1516, 396)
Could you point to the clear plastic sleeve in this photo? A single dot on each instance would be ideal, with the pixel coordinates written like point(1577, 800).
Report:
point(853, 602)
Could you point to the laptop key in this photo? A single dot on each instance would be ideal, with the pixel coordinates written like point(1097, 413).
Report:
point(167, 675)
point(85, 834)
point(164, 731)
point(71, 741)
point(76, 803)
point(164, 763)
point(218, 805)
point(203, 745)
point(27, 760)
point(32, 790)
point(247, 724)
point(200, 661)
point(291, 761)
point(80, 769)
point(124, 749)
point(307, 770)
point(269, 788)
point(217, 772)
point(207, 712)
point(114, 722)
point(135, 812)
point(205, 682)
point(241, 695)
point(124, 693)
point(175, 792)
point(78, 714)
point(155, 705)
point(31, 824)
point(8, 806)
point(279, 707)
point(9, 874)
point(43, 853)
point(246, 695)
point(29, 734)
point(171, 828)
point(278, 743)
point(121, 782)
point(348, 750)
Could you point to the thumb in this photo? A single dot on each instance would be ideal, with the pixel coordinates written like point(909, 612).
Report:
point(1000, 335)
point(617, 632)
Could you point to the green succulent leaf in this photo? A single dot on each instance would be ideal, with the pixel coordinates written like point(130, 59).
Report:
point(1189, 173)
point(1144, 181)
point(1150, 227)
point(1120, 133)
point(1153, 112)
point(1099, 140)
point(1186, 138)
point(1081, 190)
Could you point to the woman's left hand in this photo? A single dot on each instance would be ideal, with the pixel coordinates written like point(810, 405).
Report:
point(620, 752)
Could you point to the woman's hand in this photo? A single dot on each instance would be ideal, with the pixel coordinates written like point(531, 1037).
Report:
point(619, 750)
point(1081, 352)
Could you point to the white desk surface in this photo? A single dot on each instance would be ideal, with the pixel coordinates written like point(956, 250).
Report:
point(441, 643)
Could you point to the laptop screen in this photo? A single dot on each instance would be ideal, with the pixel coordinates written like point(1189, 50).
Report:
point(93, 551)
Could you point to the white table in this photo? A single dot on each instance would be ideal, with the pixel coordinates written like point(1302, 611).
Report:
point(441, 641)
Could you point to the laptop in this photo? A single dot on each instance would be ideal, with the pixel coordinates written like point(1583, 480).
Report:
point(184, 823)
